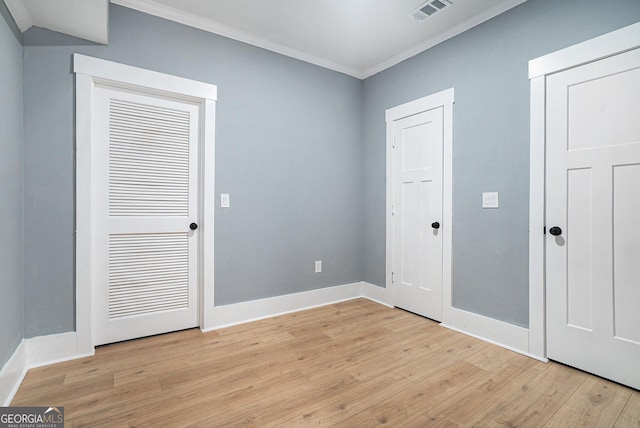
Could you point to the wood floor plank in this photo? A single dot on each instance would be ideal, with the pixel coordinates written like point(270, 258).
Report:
point(537, 395)
point(355, 363)
point(439, 356)
point(597, 403)
point(490, 358)
point(475, 399)
point(127, 393)
point(102, 383)
point(36, 383)
point(352, 402)
point(630, 416)
point(419, 397)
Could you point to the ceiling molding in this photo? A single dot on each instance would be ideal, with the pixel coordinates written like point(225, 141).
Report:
point(452, 32)
point(20, 14)
point(24, 19)
point(152, 8)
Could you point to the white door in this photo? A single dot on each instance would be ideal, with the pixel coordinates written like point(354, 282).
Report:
point(593, 199)
point(417, 213)
point(145, 182)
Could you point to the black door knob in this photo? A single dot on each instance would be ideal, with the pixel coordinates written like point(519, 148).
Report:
point(555, 231)
point(435, 225)
point(193, 226)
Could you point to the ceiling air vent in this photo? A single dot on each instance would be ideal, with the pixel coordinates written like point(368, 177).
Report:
point(427, 9)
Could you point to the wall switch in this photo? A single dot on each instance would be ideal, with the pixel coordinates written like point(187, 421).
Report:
point(490, 200)
point(224, 200)
point(318, 266)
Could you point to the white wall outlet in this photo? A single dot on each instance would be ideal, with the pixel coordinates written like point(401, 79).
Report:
point(224, 200)
point(490, 200)
point(318, 266)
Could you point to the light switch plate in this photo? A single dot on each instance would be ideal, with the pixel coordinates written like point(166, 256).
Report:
point(224, 200)
point(490, 200)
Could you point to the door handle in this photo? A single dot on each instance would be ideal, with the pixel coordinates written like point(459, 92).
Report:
point(555, 231)
point(435, 225)
point(193, 226)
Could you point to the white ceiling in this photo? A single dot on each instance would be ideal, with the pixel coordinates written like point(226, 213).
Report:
point(86, 19)
point(356, 37)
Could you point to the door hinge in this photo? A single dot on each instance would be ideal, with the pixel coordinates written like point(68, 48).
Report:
point(393, 277)
point(393, 145)
point(544, 230)
point(393, 209)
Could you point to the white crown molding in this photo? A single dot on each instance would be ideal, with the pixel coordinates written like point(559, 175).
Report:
point(24, 21)
point(20, 14)
point(152, 8)
point(452, 32)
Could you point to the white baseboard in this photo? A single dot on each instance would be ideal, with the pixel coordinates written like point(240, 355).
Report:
point(12, 374)
point(490, 330)
point(44, 350)
point(239, 313)
point(381, 295)
point(55, 348)
point(35, 352)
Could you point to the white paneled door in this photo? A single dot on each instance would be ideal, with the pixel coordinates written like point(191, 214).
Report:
point(593, 217)
point(417, 213)
point(146, 212)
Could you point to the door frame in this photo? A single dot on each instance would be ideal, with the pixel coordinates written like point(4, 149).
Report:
point(595, 49)
point(90, 71)
point(444, 99)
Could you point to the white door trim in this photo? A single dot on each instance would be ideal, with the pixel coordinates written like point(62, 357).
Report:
point(444, 99)
point(589, 51)
point(90, 71)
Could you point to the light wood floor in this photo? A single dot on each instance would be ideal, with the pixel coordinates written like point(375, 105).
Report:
point(350, 364)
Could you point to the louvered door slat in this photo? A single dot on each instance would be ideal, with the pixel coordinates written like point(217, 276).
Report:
point(167, 164)
point(148, 160)
point(160, 278)
point(150, 143)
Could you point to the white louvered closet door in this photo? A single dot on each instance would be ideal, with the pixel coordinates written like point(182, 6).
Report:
point(146, 194)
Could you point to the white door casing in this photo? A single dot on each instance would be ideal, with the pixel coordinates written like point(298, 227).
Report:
point(541, 70)
point(592, 190)
point(146, 196)
point(419, 137)
point(91, 75)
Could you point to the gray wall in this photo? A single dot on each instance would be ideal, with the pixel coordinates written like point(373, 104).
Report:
point(288, 151)
point(487, 66)
point(11, 189)
point(301, 150)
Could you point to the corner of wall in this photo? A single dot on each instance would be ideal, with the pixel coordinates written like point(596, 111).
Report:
point(12, 374)
point(11, 22)
point(36, 352)
point(377, 294)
